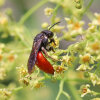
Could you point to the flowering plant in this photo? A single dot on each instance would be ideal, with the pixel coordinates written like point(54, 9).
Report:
point(78, 70)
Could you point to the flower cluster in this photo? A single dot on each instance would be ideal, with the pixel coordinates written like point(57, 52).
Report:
point(4, 93)
point(34, 81)
point(94, 79)
point(48, 11)
point(85, 90)
point(79, 62)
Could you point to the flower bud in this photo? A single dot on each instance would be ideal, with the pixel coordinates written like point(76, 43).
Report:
point(78, 6)
point(45, 25)
point(48, 11)
point(77, 1)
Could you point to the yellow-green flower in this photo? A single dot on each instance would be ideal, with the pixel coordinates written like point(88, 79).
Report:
point(83, 67)
point(5, 93)
point(74, 27)
point(2, 73)
point(45, 25)
point(86, 59)
point(58, 29)
point(48, 11)
point(92, 28)
point(94, 79)
point(85, 90)
point(96, 21)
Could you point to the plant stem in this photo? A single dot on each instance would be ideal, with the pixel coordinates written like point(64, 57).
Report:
point(90, 15)
point(18, 88)
point(61, 90)
point(73, 91)
point(22, 39)
point(55, 12)
point(31, 11)
point(88, 6)
point(66, 94)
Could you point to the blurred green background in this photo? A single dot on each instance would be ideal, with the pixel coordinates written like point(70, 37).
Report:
point(33, 23)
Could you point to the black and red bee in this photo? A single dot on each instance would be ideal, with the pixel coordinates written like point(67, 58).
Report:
point(40, 43)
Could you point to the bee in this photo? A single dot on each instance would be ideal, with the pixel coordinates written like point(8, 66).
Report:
point(40, 43)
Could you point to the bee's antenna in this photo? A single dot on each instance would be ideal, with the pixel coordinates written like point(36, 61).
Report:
point(54, 25)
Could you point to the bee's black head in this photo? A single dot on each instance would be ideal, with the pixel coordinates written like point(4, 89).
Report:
point(48, 33)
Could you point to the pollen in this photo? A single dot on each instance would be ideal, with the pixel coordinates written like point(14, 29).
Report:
point(95, 46)
point(76, 26)
point(59, 69)
point(48, 11)
point(84, 90)
point(38, 85)
point(4, 21)
point(23, 71)
point(70, 60)
point(0, 57)
point(69, 21)
point(86, 58)
point(11, 58)
point(99, 19)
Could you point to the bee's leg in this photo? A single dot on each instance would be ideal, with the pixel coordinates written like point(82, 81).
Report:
point(52, 40)
point(46, 54)
point(50, 49)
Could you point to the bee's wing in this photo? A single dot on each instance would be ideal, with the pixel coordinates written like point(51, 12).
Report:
point(33, 55)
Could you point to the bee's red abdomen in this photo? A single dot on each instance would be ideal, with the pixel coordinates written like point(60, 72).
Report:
point(44, 64)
